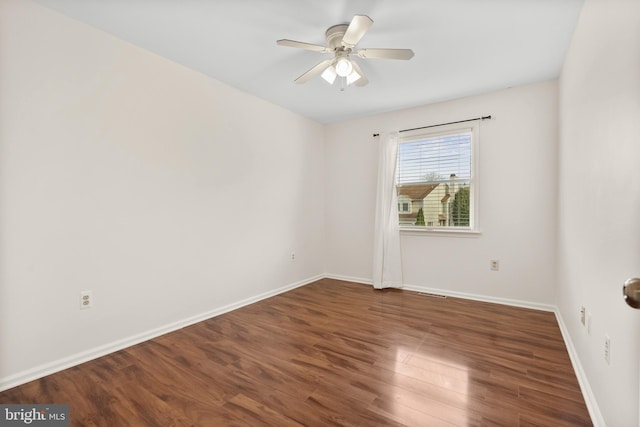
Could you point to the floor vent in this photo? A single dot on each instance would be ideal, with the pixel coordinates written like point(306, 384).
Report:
point(426, 294)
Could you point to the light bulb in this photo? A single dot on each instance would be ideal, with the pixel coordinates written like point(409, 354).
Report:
point(343, 67)
point(353, 77)
point(329, 74)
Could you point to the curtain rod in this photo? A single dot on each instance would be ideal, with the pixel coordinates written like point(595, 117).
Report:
point(442, 124)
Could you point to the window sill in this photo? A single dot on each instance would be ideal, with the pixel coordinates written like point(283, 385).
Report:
point(422, 231)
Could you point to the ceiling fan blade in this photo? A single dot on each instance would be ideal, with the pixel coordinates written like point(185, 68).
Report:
point(317, 69)
point(386, 53)
point(356, 30)
point(362, 81)
point(303, 45)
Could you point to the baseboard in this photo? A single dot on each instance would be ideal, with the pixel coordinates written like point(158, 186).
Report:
point(349, 279)
point(463, 295)
point(587, 393)
point(85, 356)
point(483, 298)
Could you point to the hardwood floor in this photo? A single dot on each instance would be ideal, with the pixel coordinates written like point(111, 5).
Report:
point(333, 353)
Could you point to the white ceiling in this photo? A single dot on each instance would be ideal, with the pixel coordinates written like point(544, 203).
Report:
point(462, 47)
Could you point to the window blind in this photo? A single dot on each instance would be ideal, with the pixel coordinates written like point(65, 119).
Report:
point(435, 159)
point(434, 179)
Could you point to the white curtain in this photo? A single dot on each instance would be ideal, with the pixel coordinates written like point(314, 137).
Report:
point(387, 261)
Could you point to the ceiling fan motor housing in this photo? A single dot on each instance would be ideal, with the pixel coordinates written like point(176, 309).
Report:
point(334, 36)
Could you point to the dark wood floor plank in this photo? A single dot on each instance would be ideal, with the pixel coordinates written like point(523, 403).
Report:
point(333, 353)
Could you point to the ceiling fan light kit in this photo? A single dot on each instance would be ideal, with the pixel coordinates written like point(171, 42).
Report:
point(343, 67)
point(330, 74)
point(341, 41)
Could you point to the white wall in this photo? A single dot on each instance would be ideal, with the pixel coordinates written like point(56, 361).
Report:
point(517, 200)
point(166, 193)
point(599, 199)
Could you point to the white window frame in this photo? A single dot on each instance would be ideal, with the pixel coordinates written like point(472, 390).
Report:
point(401, 202)
point(473, 229)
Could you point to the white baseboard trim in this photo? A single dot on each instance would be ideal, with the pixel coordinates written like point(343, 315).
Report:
point(349, 279)
point(85, 356)
point(587, 393)
point(453, 294)
point(483, 298)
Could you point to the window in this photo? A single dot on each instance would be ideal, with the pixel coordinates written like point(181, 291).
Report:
point(435, 175)
point(404, 204)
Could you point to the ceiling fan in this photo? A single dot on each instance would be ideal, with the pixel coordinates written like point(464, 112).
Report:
point(341, 41)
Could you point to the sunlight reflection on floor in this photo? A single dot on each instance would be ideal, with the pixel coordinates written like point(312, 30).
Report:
point(428, 388)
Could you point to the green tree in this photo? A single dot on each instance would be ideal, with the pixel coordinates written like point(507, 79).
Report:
point(420, 217)
point(460, 208)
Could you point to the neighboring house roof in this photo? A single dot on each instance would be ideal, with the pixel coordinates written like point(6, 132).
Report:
point(412, 216)
point(416, 191)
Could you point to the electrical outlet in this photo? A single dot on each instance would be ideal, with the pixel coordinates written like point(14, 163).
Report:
point(86, 300)
point(582, 316)
point(293, 256)
point(607, 349)
point(495, 265)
